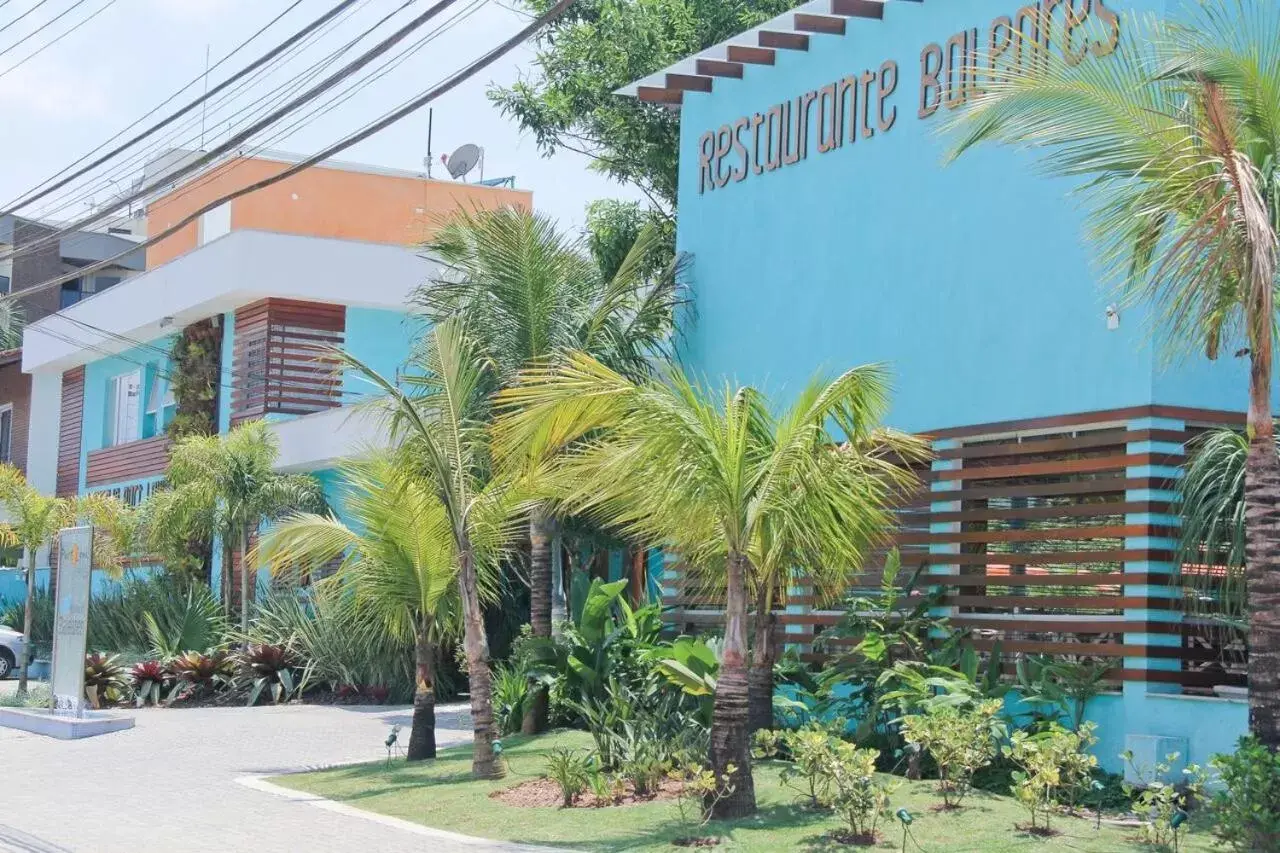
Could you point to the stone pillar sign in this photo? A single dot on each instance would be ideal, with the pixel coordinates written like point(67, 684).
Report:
point(75, 561)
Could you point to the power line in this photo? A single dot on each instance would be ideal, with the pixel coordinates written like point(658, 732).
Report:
point(406, 109)
point(23, 15)
point(139, 159)
point(311, 94)
point(59, 38)
point(257, 63)
point(162, 104)
point(45, 25)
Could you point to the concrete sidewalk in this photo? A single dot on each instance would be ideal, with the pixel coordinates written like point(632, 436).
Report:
point(170, 783)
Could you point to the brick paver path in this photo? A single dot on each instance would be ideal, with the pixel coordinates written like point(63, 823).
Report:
point(169, 784)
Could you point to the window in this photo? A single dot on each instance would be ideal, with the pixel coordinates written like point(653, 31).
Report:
point(124, 395)
point(6, 433)
point(72, 292)
point(102, 282)
point(4, 284)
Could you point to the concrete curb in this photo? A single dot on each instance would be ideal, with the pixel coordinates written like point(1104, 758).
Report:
point(259, 782)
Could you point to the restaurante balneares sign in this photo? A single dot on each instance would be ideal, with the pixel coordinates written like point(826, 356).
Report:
point(861, 105)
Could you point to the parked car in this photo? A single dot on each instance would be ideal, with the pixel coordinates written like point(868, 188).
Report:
point(11, 645)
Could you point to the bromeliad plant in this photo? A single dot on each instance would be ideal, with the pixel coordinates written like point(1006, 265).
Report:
point(149, 679)
point(197, 674)
point(268, 668)
point(105, 680)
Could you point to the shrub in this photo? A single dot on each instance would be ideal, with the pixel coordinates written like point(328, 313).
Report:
point(148, 679)
point(511, 695)
point(192, 622)
point(337, 648)
point(645, 767)
point(697, 793)
point(1050, 761)
point(571, 770)
point(14, 612)
point(961, 742)
point(1247, 813)
point(1159, 802)
point(268, 667)
point(104, 679)
point(811, 750)
point(853, 791)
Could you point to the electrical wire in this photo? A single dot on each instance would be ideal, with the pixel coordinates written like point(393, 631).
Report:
point(407, 108)
point(140, 158)
point(49, 23)
point(311, 94)
point(12, 204)
point(23, 15)
point(49, 44)
point(257, 63)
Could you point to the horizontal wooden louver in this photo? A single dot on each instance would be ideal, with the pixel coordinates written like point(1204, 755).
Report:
point(70, 431)
point(133, 461)
point(283, 361)
point(1028, 535)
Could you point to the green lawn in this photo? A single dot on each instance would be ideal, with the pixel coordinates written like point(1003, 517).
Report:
point(441, 794)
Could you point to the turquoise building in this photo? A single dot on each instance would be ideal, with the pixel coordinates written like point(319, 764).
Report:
point(825, 229)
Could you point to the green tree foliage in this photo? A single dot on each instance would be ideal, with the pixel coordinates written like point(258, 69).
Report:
point(724, 481)
point(225, 486)
point(397, 560)
point(441, 420)
point(598, 46)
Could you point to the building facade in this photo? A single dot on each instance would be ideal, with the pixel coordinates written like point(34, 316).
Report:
point(278, 282)
point(825, 229)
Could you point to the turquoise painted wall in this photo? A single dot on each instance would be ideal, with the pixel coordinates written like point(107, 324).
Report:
point(382, 339)
point(971, 281)
point(152, 361)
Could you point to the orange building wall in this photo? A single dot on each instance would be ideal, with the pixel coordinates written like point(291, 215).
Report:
point(321, 202)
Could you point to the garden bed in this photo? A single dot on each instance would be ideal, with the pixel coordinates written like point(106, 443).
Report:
point(442, 795)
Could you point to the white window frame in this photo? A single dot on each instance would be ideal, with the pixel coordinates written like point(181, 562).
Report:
point(121, 428)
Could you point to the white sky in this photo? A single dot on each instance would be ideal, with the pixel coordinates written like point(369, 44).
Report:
point(73, 96)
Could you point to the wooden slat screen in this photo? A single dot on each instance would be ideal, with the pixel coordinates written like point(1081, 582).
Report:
point(282, 360)
point(1027, 534)
point(132, 461)
point(70, 431)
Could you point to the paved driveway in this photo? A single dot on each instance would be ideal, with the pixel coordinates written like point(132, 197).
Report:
point(169, 784)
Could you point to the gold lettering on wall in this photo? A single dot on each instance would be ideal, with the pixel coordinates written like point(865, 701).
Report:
point(860, 106)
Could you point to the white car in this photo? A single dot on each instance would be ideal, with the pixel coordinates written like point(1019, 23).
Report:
point(11, 645)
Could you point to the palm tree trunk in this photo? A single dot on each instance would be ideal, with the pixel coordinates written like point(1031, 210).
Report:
point(1262, 550)
point(28, 620)
point(730, 739)
point(760, 678)
point(484, 761)
point(422, 737)
point(228, 570)
point(244, 580)
point(540, 530)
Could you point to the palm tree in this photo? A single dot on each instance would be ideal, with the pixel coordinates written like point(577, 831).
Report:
point(1176, 137)
point(226, 486)
point(398, 561)
point(526, 292)
point(719, 479)
point(34, 520)
point(441, 425)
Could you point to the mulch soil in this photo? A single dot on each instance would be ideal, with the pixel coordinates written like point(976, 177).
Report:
point(546, 793)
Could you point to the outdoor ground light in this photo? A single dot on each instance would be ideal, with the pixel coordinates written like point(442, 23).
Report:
point(1099, 787)
point(1178, 819)
point(497, 747)
point(904, 818)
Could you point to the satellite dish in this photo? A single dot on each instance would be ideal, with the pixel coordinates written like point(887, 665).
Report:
point(463, 160)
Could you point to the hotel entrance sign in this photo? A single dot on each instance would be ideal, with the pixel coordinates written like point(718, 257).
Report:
point(75, 562)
